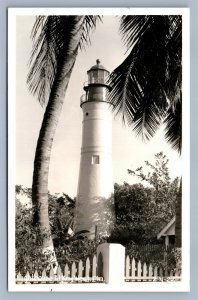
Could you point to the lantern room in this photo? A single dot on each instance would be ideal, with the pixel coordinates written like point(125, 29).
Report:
point(96, 87)
point(97, 74)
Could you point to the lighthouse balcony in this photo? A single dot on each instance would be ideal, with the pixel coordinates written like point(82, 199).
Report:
point(94, 98)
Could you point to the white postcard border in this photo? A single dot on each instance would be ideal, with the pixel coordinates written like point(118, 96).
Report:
point(184, 285)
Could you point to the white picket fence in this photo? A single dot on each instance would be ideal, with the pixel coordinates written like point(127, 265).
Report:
point(138, 271)
point(86, 271)
point(77, 272)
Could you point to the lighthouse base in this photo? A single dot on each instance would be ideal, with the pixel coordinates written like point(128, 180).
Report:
point(95, 215)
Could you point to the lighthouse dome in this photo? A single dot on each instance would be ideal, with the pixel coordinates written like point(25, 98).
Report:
point(98, 66)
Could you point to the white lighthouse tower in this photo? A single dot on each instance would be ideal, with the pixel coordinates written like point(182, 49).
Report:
point(95, 202)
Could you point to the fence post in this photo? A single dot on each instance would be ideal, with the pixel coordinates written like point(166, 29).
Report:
point(113, 259)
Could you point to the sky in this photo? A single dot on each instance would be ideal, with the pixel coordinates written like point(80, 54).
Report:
point(128, 152)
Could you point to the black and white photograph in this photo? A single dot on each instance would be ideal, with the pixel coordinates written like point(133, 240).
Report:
point(98, 122)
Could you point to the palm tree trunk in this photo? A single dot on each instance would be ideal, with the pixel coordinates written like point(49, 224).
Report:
point(178, 223)
point(45, 140)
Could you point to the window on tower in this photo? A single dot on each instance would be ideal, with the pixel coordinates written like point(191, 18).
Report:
point(95, 159)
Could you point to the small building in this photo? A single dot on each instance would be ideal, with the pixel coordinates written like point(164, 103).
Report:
point(168, 233)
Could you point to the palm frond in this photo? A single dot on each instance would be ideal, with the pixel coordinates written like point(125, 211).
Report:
point(120, 96)
point(174, 74)
point(51, 41)
point(133, 24)
point(173, 125)
point(89, 23)
point(150, 77)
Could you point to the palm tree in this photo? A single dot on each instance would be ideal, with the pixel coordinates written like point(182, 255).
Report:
point(57, 40)
point(147, 85)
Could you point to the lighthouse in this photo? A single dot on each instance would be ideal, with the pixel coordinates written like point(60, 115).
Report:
point(95, 201)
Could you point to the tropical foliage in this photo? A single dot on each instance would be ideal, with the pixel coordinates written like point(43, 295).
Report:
point(141, 212)
point(53, 37)
point(56, 41)
point(146, 87)
point(68, 246)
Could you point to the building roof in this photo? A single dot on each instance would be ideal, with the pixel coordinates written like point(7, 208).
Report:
point(169, 229)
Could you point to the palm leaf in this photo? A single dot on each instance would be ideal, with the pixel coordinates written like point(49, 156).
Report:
point(51, 40)
point(148, 81)
point(173, 125)
point(89, 23)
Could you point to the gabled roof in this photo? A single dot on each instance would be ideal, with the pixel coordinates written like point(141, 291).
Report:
point(167, 228)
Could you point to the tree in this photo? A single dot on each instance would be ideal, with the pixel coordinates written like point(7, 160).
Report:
point(141, 211)
point(132, 214)
point(146, 87)
point(68, 246)
point(164, 190)
point(57, 40)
